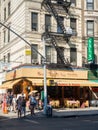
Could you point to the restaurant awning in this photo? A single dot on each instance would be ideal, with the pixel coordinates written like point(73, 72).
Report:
point(64, 82)
point(56, 82)
point(83, 83)
point(36, 82)
point(9, 84)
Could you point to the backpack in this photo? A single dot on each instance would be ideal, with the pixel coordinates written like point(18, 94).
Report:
point(32, 101)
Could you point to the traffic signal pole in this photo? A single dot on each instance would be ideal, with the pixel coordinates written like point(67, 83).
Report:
point(44, 62)
point(21, 38)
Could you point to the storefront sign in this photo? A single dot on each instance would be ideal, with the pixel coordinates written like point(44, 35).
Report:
point(68, 84)
point(90, 49)
point(51, 74)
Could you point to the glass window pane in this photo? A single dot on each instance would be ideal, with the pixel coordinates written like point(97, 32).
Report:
point(9, 8)
point(73, 23)
point(34, 21)
point(73, 2)
point(90, 1)
point(47, 22)
point(59, 30)
point(90, 27)
point(34, 55)
point(48, 53)
point(90, 4)
point(73, 56)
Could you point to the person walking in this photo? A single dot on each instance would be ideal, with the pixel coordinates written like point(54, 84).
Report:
point(24, 106)
point(14, 102)
point(37, 100)
point(19, 106)
point(32, 103)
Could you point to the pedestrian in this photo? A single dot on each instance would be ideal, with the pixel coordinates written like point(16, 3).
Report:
point(14, 102)
point(32, 103)
point(37, 100)
point(9, 101)
point(19, 106)
point(24, 106)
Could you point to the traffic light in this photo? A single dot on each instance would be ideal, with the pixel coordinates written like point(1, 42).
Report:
point(90, 50)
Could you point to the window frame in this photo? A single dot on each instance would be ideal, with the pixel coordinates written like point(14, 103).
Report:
point(9, 56)
point(34, 54)
point(33, 19)
point(73, 25)
point(89, 29)
point(47, 24)
point(73, 2)
point(5, 13)
point(9, 8)
point(8, 35)
point(48, 53)
point(90, 5)
point(73, 53)
point(59, 30)
point(4, 32)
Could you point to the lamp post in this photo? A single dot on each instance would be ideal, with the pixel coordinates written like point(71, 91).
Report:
point(45, 80)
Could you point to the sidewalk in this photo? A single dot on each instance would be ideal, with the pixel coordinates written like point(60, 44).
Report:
point(75, 112)
point(62, 112)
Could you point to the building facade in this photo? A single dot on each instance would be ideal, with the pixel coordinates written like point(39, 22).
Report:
point(30, 20)
point(64, 26)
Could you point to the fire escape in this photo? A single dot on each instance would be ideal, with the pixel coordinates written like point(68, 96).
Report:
point(50, 6)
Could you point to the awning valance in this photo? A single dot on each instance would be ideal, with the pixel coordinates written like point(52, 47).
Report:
point(9, 84)
point(55, 82)
point(84, 83)
point(36, 82)
point(64, 82)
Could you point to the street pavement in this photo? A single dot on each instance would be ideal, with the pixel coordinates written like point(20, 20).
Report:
point(57, 113)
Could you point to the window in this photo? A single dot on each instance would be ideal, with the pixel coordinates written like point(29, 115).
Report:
point(73, 56)
point(47, 22)
point(59, 30)
point(34, 20)
point(90, 28)
point(34, 54)
point(90, 4)
point(8, 35)
point(9, 8)
point(58, 55)
point(4, 13)
point(60, 1)
point(8, 55)
point(4, 58)
point(73, 25)
point(4, 36)
point(48, 53)
point(73, 2)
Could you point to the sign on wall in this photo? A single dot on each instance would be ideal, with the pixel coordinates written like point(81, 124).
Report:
point(90, 49)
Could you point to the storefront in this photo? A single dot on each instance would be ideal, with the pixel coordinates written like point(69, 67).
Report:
point(68, 88)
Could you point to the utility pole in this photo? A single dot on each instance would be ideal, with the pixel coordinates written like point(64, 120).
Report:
point(45, 80)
